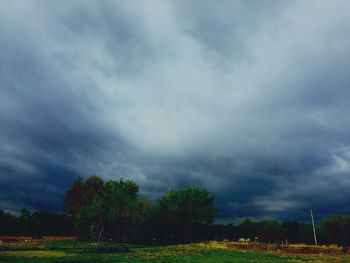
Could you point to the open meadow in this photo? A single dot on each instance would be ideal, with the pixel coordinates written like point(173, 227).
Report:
point(75, 251)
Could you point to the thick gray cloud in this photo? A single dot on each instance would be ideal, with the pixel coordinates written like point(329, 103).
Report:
point(248, 99)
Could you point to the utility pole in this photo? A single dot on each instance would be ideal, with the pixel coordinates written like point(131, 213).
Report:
point(313, 226)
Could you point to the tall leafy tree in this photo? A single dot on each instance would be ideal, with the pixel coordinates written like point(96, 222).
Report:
point(73, 200)
point(181, 210)
point(139, 222)
point(82, 202)
point(120, 200)
point(92, 189)
point(104, 209)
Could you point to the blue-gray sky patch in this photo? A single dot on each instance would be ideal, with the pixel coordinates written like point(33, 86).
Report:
point(250, 100)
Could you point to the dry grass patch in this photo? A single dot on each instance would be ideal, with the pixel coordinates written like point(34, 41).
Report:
point(36, 253)
point(290, 249)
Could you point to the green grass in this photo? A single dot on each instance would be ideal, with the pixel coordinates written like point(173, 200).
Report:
point(82, 252)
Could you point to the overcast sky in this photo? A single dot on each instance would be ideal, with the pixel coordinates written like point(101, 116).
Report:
point(249, 99)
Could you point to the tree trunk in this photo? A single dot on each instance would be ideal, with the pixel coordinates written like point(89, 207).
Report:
point(99, 236)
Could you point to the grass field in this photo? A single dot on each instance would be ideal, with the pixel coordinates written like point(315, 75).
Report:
point(74, 251)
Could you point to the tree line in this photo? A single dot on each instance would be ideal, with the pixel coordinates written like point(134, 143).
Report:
point(113, 210)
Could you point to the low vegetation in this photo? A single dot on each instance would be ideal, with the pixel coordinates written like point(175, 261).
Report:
point(75, 251)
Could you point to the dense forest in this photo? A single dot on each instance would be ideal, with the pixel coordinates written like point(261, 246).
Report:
point(98, 210)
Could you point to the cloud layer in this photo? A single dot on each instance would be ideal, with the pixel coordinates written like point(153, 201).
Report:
point(248, 99)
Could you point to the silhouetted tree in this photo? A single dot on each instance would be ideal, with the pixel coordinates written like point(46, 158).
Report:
point(73, 200)
point(269, 231)
point(25, 221)
point(9, 224)
point(291, 231)
point(181, 210)
point(46, 223)
point(247, 229)
point(140, 221)
point(337, 229)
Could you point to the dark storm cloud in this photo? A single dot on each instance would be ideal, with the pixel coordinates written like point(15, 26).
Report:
point(247, 99)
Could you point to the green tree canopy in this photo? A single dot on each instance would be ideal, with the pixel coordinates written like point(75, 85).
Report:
point(179, 212)
point(187, 206)
point(103, 208)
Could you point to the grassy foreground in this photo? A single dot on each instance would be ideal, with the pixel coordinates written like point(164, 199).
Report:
point(73, 251)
